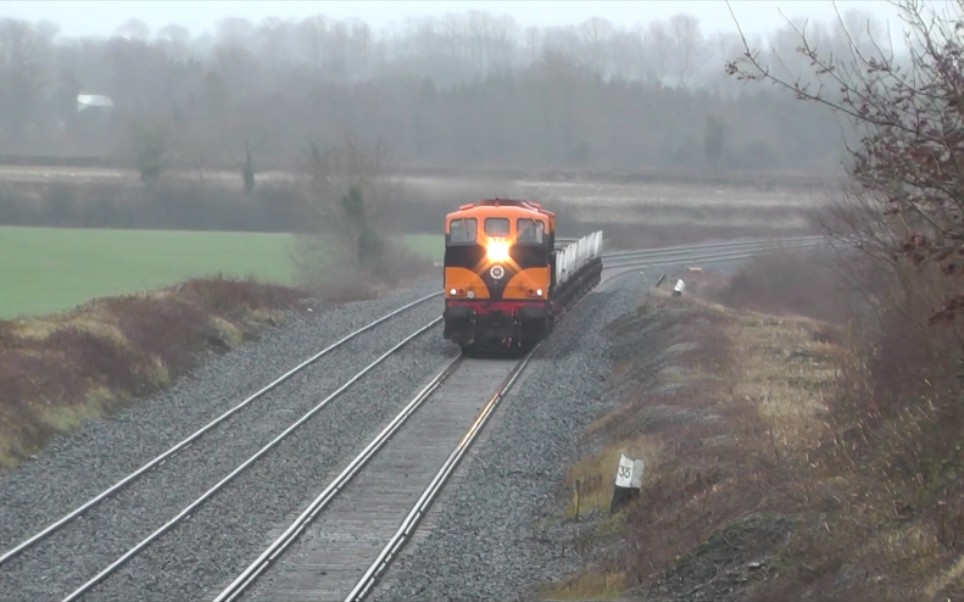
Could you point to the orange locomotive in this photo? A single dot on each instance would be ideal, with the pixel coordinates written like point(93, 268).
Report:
point(500, 274)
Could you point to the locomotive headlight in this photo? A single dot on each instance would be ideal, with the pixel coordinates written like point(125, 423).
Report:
point(497, 250)
point(471, 294)
point(453, 292)
point(538, 292)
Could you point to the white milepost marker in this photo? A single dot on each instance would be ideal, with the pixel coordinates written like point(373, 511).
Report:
point(629, 481)
point(678, 289)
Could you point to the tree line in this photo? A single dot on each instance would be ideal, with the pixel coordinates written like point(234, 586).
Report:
point(442, 92)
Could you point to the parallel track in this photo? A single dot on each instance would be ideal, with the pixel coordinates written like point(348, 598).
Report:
point(279, 545)
point(707, 253)
point(124, 484)
point(186, 512)
point(421, 446)
point(406, 529)
point(187, 441)
point(628, 261)
point(715, 246)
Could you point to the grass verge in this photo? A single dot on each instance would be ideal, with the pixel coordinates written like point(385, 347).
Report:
point(59, 371)
point(757, 485)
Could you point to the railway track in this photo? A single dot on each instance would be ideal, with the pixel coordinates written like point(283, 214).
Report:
point(433, 429)
point(708, 252)
point(366, 521)
point(34, 554)
point(324, 563)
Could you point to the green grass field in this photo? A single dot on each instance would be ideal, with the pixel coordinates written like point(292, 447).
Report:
point(48, 270)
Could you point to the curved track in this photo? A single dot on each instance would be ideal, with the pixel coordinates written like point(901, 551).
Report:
point(708, 252)
point(186, 511)
point(324, 563)
point(228, 433)
point(187, 441)
point(368, 503)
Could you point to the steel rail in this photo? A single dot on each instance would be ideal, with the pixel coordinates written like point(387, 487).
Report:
point(418, 511)
point(698, 248)
point(390, 551)
point(47, 531)
point(697, 253)
point(623, 257)
point(703, 258)
point(404, 532)
point(630, 268)
point(279, 545)
point(233, 474)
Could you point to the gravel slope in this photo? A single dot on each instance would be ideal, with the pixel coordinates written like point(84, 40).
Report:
point(484, 544)
point(489, 537)
point(76, 467)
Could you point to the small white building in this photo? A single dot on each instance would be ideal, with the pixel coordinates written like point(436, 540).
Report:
point(94, 102)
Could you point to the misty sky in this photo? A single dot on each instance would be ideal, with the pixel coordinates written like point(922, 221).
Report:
point(101, 18)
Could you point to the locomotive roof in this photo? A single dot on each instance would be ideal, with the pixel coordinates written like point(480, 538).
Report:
point(503, 206)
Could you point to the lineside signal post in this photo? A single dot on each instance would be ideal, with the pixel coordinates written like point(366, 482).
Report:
point(629, 481)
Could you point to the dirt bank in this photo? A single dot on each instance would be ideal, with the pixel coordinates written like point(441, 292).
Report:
point(59, 371)
point(742, 498)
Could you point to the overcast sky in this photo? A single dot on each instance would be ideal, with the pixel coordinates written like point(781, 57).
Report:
point(101, 18)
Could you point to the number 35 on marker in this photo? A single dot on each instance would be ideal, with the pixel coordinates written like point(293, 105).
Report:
point(629, 474)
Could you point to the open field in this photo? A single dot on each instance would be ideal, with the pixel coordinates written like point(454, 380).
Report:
point(48, 270)
point(634, 214)
point(40, 169)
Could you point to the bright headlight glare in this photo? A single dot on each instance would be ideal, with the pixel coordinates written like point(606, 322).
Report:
point(497, 250)
point(538, 292)
point(453, 292)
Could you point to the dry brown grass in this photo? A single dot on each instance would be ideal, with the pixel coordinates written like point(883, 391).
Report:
point(632, 214)
point(56, 372)
point(594, 584)
point(785, 282)
point(591, 480)
point(748, 461)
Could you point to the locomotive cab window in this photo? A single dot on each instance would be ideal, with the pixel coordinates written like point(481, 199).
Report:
point(462, 231)
point(531, 232)
point(497, 226)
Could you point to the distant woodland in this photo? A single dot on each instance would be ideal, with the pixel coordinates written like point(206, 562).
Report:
point(471, 89)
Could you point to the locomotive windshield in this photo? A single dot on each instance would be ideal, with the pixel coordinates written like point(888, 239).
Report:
point(497, 226)
point(462, 231)
point(531, 232)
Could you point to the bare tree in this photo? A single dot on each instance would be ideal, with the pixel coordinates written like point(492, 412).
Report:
point(596, 36)
point(175, 40)
point(493, 40)
point(628, 57)
point(688, 47)
point(909, 159)
point(444, 90)
point(134, 29)
point(25, 73)
point(658, 50)
point(347, 242)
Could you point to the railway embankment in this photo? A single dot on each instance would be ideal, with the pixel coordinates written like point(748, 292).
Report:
point(754, 487)
point(57, 372)
point(722, 407)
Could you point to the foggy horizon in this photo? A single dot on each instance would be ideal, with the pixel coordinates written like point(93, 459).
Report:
point(459, 88)
point(103, 19)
